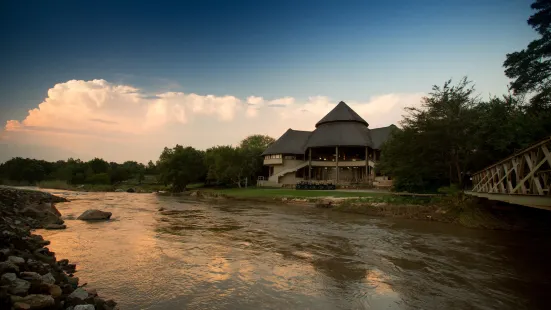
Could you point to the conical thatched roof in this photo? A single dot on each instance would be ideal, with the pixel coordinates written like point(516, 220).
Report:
point(340, 127)
point(342, 113)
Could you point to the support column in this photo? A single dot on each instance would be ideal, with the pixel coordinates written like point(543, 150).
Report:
point(337, 163)
point(375, 162)
point(309, 164)
point(366, 164)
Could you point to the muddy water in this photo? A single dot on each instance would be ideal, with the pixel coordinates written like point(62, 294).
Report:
point(198, 255)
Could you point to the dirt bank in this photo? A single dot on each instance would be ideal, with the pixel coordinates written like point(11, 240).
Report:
point(461, 210)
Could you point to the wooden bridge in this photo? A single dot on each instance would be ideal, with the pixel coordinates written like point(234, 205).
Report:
point(523, 178)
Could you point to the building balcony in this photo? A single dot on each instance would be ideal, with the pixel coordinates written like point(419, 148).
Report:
point(327, 163)
point(273, 161)
point(342, 163)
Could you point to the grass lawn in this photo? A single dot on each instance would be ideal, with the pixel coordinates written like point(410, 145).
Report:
point(283, 192)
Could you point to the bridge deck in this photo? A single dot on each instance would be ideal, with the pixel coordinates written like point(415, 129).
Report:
point(534, 201)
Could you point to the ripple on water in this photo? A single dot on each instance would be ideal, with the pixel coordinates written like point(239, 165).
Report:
point(197, 255)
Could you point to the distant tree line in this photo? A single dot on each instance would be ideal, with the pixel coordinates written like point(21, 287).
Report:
point(176, 167)
point(73, 171)
point(455, 133)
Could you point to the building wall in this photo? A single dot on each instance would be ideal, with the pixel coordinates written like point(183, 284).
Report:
point(289, 178)
point(287, 164)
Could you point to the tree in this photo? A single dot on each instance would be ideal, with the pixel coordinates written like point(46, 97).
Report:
point(435, 143)
point(530, 68)
point(226, 165)
point(257, 142)
point(181, 166)
point(251, 149)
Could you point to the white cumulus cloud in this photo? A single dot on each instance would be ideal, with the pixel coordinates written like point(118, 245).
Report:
point(121, 122)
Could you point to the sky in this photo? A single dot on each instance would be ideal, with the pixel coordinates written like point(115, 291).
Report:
point(121, 80)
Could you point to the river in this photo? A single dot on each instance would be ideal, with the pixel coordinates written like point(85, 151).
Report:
point(217, 255)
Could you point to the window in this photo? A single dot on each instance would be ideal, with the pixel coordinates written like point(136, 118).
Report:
point(272, 156)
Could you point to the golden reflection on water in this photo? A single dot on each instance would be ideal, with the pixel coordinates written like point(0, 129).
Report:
point(377, 281)
point(210, 256)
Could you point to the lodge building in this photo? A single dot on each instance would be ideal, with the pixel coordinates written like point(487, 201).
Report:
point(342, 149)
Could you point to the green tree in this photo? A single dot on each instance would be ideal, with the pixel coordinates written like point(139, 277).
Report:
point(226, 165)
point(530, 68)
point(181, 166)
point(435, 143)
point(251, 149)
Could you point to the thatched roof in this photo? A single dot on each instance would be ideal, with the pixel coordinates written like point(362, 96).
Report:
point(292, 142)
point(340, 134)
point(342, 113)
point(380, 135)
point(340, 127)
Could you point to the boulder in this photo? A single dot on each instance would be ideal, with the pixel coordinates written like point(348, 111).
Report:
point(73, 281)
point(78, 295)
point(19, 287)
point(85, 307)
point(91, 291)
point(8, 267)
point(55, 290)
point(21, 306)
point(16, 260)
point(8, 278)
point(94, 215)
point(35, 301)
point(48, 278)
point(30, 276)
point(55, 226)
point(131, 190)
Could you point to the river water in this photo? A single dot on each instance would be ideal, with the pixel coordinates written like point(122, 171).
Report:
point(220, 255)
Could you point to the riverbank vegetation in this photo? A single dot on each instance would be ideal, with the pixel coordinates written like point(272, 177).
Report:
point(455, 133)
point(177, 169)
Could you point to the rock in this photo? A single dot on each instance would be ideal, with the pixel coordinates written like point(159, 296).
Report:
point(36, 266)
point(30, 276)
point(19, 287)
point(8, 278)
point(85, 307)
point(193, 194)
point(35, 301)
point(21, 306)
point(73, 281)
point(79, 294)
point(324, 204)
point(119, 190)
point(94, 215)
point(63, 262)
point(284, 199)
point(8, 267)
point(131, 190)
point(91, 291)
point(55, 290)
point(16, 260)
point(110, 305)
point(161, 209)
point(48, 278)
point(55, 226)
point(4, 253)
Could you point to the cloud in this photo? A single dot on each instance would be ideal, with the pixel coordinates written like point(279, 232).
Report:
point(121, 122)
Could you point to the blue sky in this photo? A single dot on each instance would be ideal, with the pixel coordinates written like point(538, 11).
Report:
point(346, 50)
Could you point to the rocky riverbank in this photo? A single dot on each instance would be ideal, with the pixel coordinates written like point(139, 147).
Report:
point(30, 275)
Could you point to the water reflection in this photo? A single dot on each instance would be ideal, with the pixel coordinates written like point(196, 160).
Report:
point(198, 255)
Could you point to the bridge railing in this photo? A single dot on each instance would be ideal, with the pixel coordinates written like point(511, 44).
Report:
point(527, 172)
